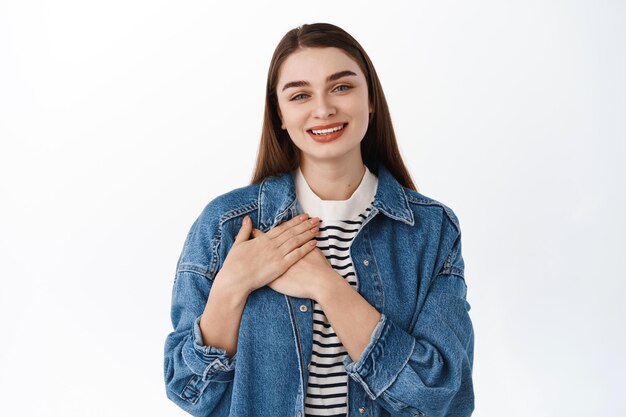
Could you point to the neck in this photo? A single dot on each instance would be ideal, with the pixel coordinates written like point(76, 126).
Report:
point(331, 181)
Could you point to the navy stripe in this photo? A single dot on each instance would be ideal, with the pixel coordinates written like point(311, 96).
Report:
point(327, 325)
point(339, 258)
point(352, 221)
point(342, 266)
point(327, 406)
point(339, 384)
point(331, 237)
point(329, 375)
point(327, 345)
point(330, 355)
point(341, 229)
point(332, 247)
point(325, 335)
point(326, 365)
point(326, 396)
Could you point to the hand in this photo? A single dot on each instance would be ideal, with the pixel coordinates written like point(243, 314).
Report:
point(306, 277)
point(252, 264)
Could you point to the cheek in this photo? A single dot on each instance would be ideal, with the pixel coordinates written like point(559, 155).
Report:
point(360, 112)
point(293, 119)
point(360, 104)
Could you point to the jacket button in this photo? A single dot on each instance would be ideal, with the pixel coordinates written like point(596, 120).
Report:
point(361, 409)
point(303, 308)
point(366, 262)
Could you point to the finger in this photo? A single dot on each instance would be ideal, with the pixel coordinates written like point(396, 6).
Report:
point(303, 238)
point(297, 233)
point(244, 230)
point(294, 221)
point(299, 253)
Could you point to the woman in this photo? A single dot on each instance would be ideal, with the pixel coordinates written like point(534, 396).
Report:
point(328, 286)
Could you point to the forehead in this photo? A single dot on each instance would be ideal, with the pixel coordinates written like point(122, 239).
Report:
point(315, 64)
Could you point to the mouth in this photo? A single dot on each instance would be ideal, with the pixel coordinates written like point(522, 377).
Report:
point(327, 130)
point(327, 133)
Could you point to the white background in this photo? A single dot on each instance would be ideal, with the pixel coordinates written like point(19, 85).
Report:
point(120, 120)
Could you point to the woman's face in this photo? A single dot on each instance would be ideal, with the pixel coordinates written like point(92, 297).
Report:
point(323, 103)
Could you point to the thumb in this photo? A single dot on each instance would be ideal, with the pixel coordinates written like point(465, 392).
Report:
point(244, 231)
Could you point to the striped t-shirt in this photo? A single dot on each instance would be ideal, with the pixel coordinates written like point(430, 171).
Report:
point(340, 221)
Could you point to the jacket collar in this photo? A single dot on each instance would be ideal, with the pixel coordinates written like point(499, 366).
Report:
point(277, 198)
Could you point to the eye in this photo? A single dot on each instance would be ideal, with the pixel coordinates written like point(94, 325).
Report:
point(296, 97)
point(343, 87)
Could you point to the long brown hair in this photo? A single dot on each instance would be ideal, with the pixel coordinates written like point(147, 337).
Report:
point(277, 153)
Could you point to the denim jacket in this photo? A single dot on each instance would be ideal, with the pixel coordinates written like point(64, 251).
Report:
point(407, 257)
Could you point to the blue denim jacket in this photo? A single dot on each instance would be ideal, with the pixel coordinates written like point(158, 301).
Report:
point(409, 266)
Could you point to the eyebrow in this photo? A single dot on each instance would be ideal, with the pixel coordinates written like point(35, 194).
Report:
point(330, 78)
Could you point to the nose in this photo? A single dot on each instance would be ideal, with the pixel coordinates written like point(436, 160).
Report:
point(323, 107)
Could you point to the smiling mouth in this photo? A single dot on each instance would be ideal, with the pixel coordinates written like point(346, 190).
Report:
point(323, 132)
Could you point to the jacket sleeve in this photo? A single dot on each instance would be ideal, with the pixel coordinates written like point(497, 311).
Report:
point(198, 378)
point(427, 372)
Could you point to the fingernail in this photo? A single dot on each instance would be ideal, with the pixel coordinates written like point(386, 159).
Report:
point(245, 220)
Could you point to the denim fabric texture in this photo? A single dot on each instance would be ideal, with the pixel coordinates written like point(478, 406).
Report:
point(409, 266)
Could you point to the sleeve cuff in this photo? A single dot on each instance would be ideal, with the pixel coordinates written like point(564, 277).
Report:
point(386, 354)
point(207, 361)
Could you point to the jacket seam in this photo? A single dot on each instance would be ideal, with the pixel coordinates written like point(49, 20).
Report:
point(209, 271)
point(428, 202)
point(299, 347)
point(192, 268)
point(217, 239)
point(369, 242)
point(448, 268)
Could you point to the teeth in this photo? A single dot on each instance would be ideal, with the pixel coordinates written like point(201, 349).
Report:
point(327, 131)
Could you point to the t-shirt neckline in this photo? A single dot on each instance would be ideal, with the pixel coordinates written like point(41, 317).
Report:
point(329, 210)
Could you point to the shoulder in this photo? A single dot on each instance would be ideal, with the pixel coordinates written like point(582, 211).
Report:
point(230, 204)
point(443, 226)
point(428, 208)
point(200, 250)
